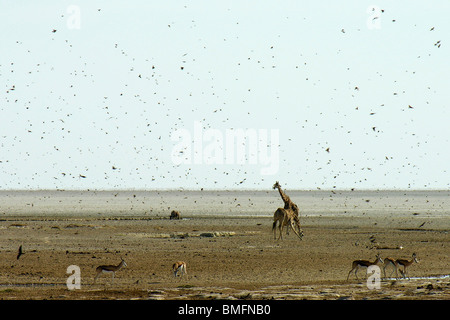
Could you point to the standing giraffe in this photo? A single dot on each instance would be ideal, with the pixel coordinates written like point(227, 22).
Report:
point(288, 206)
point(286, 218)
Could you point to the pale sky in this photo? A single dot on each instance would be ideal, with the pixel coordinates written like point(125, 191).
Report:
point(92, 92)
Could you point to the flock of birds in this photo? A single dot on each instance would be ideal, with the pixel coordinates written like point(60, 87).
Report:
point(149, 136)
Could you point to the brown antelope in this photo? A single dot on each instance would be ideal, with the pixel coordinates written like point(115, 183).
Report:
point(406, 263)
point(363, 264)
point(109, 269)
point(179, 266)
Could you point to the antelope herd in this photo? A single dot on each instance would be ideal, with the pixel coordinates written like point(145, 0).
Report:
point(395, 263)
point(399, 263)
point(177, 267)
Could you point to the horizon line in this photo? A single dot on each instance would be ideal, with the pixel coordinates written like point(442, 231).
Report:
point(223, 189)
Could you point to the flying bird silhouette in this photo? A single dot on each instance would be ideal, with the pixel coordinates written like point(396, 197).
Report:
point(20, 252)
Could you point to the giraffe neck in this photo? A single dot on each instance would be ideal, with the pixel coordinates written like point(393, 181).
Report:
point(284, 196)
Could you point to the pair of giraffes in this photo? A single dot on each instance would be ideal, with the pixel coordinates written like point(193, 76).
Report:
point(287, 216)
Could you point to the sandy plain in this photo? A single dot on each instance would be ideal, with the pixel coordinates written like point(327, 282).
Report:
point(226, 239)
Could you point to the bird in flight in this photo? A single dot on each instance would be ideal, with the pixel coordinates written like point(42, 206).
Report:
point(20, 252)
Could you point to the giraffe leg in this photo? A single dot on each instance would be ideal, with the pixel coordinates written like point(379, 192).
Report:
point(274, 229)
point(280, 230)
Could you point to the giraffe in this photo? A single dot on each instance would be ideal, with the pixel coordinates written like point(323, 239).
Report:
point(288, 205)
point(286, 218)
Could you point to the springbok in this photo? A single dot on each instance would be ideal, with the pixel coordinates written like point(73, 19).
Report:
point(109, 269)
point(179, 266)
point(406, 263)
point(363, 264)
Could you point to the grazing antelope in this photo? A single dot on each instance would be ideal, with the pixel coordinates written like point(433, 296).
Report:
point(363, 264)
point(179, 266)
point(285, 218)
point(174, 215)
point(390, 262)
point(109, 269)
point(406, 263)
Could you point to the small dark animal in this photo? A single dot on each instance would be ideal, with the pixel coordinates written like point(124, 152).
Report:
point(174, 215)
